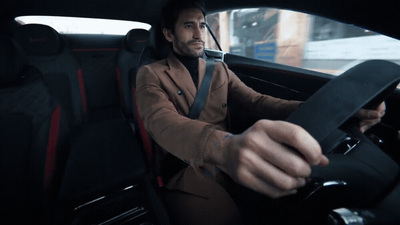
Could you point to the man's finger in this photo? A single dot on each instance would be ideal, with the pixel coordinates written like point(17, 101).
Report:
point(285, 158)
point(273, 173)
point(260, 185)
point(296, 137)
point(368, 114)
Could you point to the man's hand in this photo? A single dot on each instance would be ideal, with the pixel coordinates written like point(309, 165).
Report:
point(263, 157)
point(369, 118)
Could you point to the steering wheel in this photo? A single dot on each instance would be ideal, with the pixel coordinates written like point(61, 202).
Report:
point(359, 173)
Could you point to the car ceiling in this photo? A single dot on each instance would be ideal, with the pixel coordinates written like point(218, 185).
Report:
point(380, 16)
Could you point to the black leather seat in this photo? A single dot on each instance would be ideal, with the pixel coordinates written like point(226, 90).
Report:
point(158, 47)
point(49, 51)
point(33, 135)
point(97, 57)
point(133, 43)
point(106, 159)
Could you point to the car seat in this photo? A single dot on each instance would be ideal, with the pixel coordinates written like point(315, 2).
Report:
point(133, 43)
point(33, 135)
point(50, 52)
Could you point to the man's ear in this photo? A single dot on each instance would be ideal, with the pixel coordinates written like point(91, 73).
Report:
point(167, 34)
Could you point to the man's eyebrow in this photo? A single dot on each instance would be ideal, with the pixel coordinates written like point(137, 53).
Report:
point(191, 22)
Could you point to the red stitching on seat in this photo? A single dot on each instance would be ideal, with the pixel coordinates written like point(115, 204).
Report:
point(82, 90)
point(160, 181)
point(52, 148)
point(143, 132)
point(121, 95)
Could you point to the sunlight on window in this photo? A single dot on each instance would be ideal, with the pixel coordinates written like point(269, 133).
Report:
point(299, 39)
point(74, 25)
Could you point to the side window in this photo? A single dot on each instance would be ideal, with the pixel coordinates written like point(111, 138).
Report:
point(298, 39)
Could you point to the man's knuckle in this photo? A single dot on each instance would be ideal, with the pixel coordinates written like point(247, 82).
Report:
point(287, 184)
point(314, 156)
point(283, 183)
point(300, 169)
point(296, 134)
point(240, 175)
point(260, 124)
point(243, 157)
point(247, 141)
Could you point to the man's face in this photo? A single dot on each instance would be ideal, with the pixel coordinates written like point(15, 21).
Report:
point(189, 35)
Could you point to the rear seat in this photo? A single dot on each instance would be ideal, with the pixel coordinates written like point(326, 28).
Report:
point(98, 62)
point(47, 50)
point(33, 136)
point(105, 161)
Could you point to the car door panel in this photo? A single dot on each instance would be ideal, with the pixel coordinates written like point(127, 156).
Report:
point(276, 79)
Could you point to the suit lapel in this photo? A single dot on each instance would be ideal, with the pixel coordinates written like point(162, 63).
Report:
point(182, 78)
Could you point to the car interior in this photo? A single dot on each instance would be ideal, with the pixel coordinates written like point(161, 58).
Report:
point(73, 149)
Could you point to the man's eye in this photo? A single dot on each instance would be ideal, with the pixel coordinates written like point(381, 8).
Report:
point(188, 26)
point(202, 26)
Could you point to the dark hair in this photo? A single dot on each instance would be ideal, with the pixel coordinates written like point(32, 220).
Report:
point(173, 8)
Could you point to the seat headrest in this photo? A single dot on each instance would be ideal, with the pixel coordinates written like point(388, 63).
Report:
point(38, 39)
point(159, 44)
point(137, 39)
point(12, 60)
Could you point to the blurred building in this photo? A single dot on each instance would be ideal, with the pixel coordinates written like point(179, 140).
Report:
point(299, 39)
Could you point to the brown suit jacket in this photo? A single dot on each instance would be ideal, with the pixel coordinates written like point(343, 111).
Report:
point(165, 91)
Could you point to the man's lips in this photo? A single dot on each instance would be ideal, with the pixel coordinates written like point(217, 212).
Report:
point(196, 42)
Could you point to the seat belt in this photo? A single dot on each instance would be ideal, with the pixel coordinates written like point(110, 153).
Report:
point(202, 93)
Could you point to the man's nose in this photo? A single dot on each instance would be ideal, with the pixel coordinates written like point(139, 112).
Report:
point(197, 32)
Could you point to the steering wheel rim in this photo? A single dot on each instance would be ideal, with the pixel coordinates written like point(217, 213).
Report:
point(324, 112)
point(339, 99)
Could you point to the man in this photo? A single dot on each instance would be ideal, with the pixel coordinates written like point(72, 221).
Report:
point(261, 158)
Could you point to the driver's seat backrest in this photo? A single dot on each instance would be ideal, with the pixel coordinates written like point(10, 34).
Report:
point(128, 56)
point(33, 135)
point(157, 48)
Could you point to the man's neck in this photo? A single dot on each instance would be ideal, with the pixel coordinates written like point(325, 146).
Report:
point(186, 59)
point(191, 64)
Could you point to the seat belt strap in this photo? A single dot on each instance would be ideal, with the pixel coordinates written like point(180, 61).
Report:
point(202, 93)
